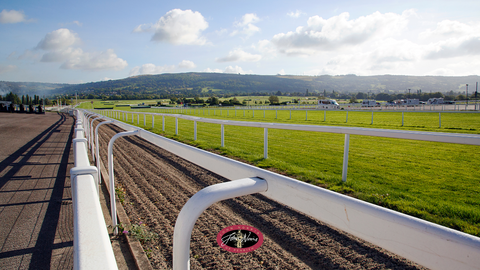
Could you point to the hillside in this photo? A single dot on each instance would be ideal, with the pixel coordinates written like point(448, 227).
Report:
point(30, 88)
point(236, 83)
point(221, 83)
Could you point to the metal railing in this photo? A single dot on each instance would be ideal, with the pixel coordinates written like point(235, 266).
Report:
point(91, 242)
point(423, 242)
point(387, 133)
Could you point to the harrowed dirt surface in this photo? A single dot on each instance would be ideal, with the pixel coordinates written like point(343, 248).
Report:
point(157, 184)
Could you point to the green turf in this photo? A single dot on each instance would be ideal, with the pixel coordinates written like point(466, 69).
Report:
point(438, 182)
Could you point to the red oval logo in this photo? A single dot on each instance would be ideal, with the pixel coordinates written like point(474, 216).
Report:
point(240, 238)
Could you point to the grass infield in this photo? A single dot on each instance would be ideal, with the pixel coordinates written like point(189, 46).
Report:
point(438, 182)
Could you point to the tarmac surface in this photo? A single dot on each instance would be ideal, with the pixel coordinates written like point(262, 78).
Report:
point(36, 213)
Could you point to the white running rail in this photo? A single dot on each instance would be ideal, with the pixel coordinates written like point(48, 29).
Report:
point(91, 243)
point(423, 242)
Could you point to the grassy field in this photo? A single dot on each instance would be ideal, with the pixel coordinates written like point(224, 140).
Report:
point(438, 182)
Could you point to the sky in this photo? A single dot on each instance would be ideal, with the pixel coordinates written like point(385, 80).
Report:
point(88, 41)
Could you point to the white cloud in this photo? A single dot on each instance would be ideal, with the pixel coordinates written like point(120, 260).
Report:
point(186, 64)
point(95, 61)
point(153, 69)
point(4, 69)
point(178, 27)
point(70, 23)
point(282, 72)
point(150, 69)
point(455, 47)
point(392, 50)
point(229, 69)
point(448, 28)
point(216, 70)
point(266, 47)
point(58, 39)
point(235, 69)
point(247, 25)
point(339, 31)
point(442, 72)
point(61, 46)
point(12, 16)
point(29, 54)
point(247, 19)
point(62, 55)
point(239, 55)
point(295, 14)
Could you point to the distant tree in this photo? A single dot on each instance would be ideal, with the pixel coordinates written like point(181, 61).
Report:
point(273, 99)
point(353, 99)
point(213, 101)
point(22, 108)
point(361, 95)
point(13, 98)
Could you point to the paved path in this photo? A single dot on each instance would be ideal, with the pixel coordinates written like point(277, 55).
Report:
point(36, 219)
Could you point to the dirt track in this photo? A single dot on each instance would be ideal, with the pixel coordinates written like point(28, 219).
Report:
point(157, 185)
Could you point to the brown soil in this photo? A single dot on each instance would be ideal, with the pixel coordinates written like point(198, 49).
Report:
point(157, 184)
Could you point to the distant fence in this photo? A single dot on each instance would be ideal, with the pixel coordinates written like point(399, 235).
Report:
point(398, 134)
point(241, 111)
point(91, 243)
point(426, 243)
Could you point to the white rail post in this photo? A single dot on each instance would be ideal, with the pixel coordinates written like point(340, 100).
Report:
point(176, 125)
point(265, 143)
point(306, 115)
point(153, 120)
point(345, 157)
point(163, 122)
point(144, 119)
point(87, 125)
point(126, 117)
point(253, 112)
point(92, 145)
point(201, 201)
point(346, 120)
point(133, 119)
point(402, 119)
point(439, 120)
point(372, 118)
point(276, 114)
point(97, 154)
point(324, 116)
point(194, 130)
point(222, 135)
point(113, 206)
point(138, 119)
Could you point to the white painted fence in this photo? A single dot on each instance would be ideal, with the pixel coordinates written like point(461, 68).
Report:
point(91, 243)
point(399, 134)
point(426, 243)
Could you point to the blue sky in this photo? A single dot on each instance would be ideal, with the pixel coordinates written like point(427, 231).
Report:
point(85, 41)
